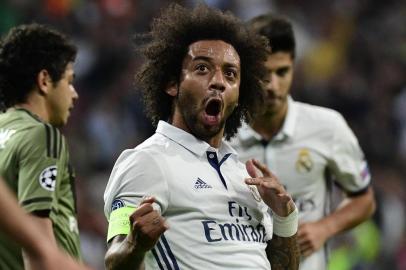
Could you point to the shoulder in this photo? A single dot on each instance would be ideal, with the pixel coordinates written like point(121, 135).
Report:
point(318, 118)
point(144, 156)
point(318, 113)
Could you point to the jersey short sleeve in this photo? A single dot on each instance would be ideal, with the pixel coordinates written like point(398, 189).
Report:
point(38, 167)
point(135, 176)
point(348, 162)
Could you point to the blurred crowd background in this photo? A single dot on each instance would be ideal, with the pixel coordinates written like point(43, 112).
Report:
point(351, 57)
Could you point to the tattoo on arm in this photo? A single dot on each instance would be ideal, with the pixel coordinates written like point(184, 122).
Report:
point(283, 253)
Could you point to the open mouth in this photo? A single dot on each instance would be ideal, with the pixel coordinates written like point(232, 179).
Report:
point(212, 111)
point(213, 107)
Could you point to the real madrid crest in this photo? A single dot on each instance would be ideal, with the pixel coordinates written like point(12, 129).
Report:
point(304, 163)
point(255, 193)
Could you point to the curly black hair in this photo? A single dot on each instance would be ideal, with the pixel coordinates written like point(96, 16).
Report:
point(278, 30)
point(24, 52)
point(170, 36)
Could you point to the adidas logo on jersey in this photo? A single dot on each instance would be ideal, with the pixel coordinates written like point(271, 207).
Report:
point(199, 184)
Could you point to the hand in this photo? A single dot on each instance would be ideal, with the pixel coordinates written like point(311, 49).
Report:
point(147, 225)
point(311, 237)
point(271, 191)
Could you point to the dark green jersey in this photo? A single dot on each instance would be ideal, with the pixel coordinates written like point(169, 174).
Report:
point(34, 161)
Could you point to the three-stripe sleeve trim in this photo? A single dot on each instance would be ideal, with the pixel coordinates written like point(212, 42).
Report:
point(48, 139)
point(34, 200)
point(165, 254)
point(171, 255)
point(53, 141)
point(157, 259)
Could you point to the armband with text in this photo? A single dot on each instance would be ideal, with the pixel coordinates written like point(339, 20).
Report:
point(119, 222)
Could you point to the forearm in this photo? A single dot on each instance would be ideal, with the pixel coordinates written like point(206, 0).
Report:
point(283, 253)
point(283, 249)
point(46, 239)
point(123, 255)
point(351, 212)
point(17, 223)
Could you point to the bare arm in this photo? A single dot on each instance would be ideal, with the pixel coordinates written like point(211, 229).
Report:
point(127, 252)
point(283, 253)
point(122, 254)
point(45, 225)
point(43, 254)
point(351, 212)
point(17, 225)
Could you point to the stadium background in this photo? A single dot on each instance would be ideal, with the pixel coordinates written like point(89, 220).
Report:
point(351, 57)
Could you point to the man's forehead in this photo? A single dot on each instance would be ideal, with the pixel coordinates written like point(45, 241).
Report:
point(214, 49)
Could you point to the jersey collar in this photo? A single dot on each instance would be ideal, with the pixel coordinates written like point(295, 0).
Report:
point(33, 115)
point(248, 136)
point(190, 142)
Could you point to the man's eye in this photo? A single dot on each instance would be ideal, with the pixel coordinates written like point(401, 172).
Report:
point(201, 68)
point(282, 72)
point(231, 73)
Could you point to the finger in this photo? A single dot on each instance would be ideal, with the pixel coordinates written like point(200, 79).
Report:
point(302, 229)
point(252, 171)
point(253, 181)
point(306, 251)
point(304, 245)
point(285, 197)
point(142, 210)
point(159, 227)
point(270, 183)
point(152, 224)
point(150, 219)
point(147, 199)
point(301, 240)
point(262, 167)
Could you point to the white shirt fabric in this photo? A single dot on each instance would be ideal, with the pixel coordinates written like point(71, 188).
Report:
point(213, 223)
point(315, 145)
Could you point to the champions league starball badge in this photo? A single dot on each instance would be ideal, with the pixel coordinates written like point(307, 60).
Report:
point(47, 178)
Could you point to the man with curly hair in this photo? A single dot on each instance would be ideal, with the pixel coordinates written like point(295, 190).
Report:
point(181, 199)
point(36, 75)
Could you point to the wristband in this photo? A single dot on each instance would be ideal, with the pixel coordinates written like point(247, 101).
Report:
point(285, 226)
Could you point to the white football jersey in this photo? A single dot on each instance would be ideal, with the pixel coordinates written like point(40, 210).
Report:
point(215, 220)
point(314, 147)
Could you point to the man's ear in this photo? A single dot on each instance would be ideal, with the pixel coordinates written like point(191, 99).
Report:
point(172, 89)
point(44, 82)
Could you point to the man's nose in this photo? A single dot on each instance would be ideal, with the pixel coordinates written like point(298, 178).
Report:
point(272, 82)
point(75, 94)
point(217, 81)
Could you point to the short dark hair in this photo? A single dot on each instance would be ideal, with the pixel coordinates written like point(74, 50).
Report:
point(24, 52)
point(170, 36)
point(278, 30)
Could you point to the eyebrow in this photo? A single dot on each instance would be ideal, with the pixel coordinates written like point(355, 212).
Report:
point(208, 59)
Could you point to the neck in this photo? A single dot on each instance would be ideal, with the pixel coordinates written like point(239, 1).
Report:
point(178, 121)
point(216, 140)
point(36, 105)
point(269, 124)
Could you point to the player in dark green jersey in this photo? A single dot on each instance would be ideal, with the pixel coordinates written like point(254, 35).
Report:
point(44, 254)
point(36, 75)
